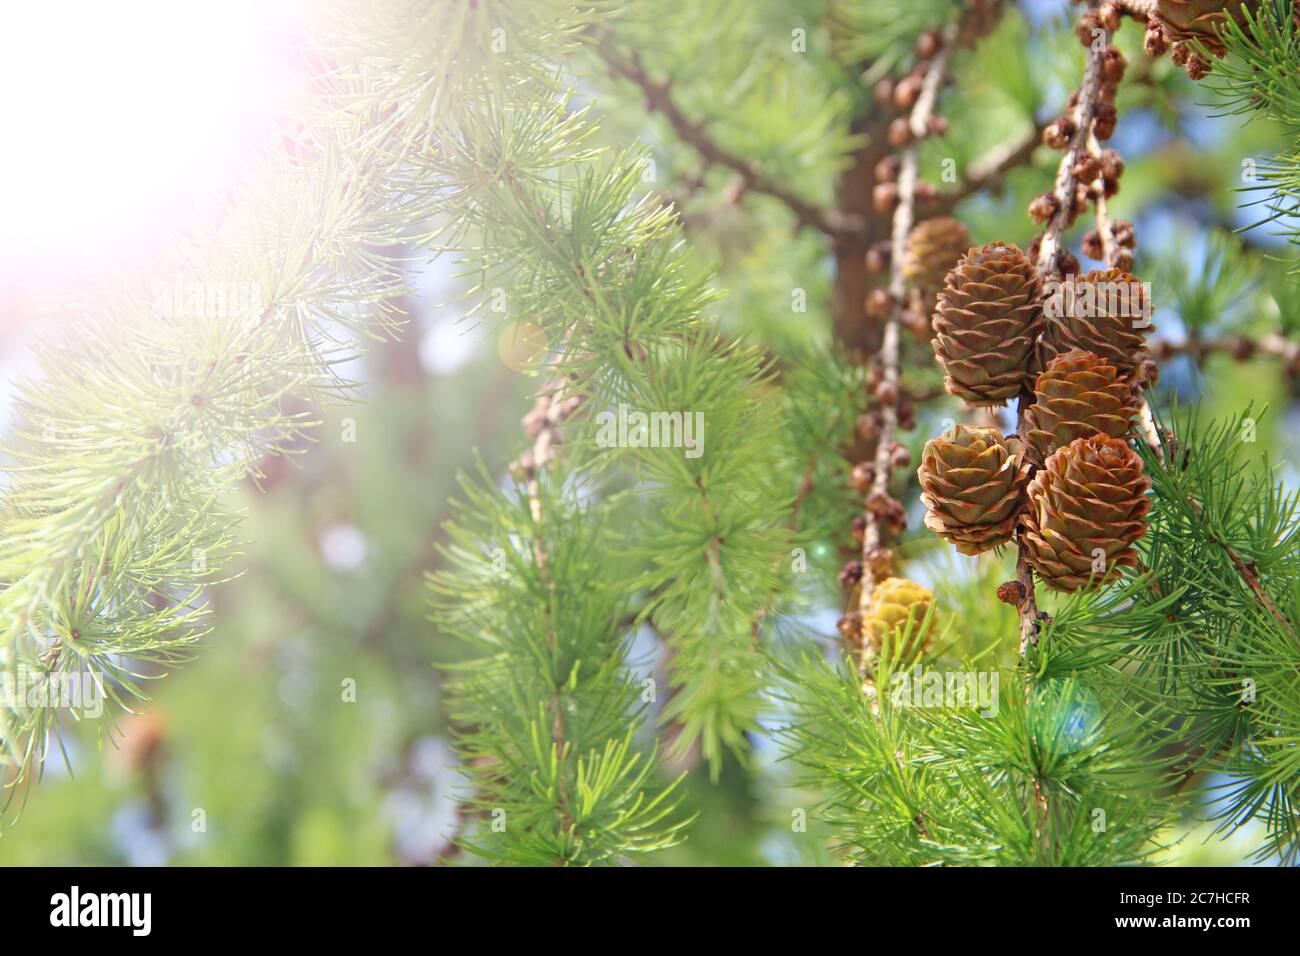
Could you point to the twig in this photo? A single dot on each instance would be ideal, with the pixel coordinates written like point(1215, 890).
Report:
point(1027, 601)
point(1247, 573)
point(990, 169)
point(1239, 347)
point(889, 351)
point(659, 99)
point(1049, 244)
point(1137, 9)
point(1110, 251)
point(853, 196)
point(1064, 189)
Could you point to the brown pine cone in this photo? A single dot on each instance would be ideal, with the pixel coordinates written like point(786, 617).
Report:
point(1087, 507)
point(1079, 395)
point(1106, 312)
point(933, 247)
point(972, 485)
point(989, 315)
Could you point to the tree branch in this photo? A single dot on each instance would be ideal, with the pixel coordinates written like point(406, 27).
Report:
point(1239, 347)
point(919, 121)
point(990, 169)
point(659, 99)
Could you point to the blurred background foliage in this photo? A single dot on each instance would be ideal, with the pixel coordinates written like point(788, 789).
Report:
point(309, 729)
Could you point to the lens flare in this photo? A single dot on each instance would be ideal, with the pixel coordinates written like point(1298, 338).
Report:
point(126, 120)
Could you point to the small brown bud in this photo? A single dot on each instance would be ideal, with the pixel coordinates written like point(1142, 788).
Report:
point(1124, 259)
point(884, 197)
point(1198, 67)
point(1066, 263)
point(850, 574)
point(883, 91)
point(859, 528)
point(1092, 245)
point(937, 125)
point(1088, 23)
point(1107, 91)
point(1180, 54)
point(875, 375)
point(887, 392)
point(880, 304)
point(900, 133)
point(906, 92)
point(1125, 235)
point(1104, 120)
point(1148, 372)
point(918, 323)
point(850, 627)
point(1043, 208)
point(1087, 168)
point(868, 426)
point(1060, 132)
point(1242, 348)
point(906, 415)
point(1109, 17)
point(1011, 592)
point(880, 504)
point(862, 476)
point(1112, 164)
point(899, 456)
point(1154, 42)
point(1082, 193)
point(925, 192)
point(928, 44)
point(886, 170)
point(881, 562)
point(1113, 65)
point(878, 254)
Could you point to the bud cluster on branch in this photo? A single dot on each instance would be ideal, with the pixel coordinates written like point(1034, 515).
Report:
point(917, 258)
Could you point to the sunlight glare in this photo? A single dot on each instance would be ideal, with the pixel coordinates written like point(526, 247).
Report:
point(124, 121)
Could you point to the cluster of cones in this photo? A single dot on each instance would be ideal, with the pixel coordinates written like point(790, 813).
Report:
point(1070, 480)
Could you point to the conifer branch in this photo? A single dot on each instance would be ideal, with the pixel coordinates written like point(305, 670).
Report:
point(1238, 347)
point(659, 99)
point(1247, 573)
point(1063, 196)
point(988, 171)
point(888, 391)
point(1111, 253)
point(1060, 205)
